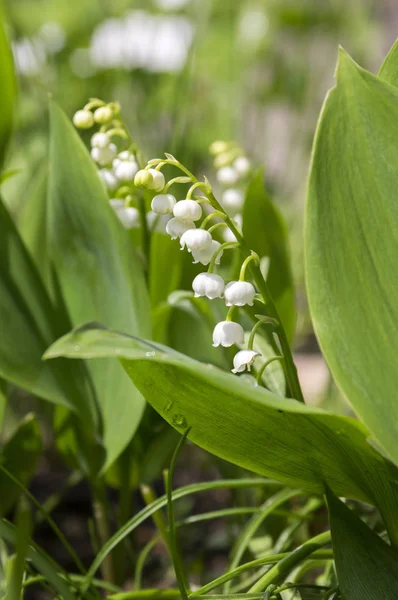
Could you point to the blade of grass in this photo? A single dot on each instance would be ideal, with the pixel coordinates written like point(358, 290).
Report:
point(23, 533)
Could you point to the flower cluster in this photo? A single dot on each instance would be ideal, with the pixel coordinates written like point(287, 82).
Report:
point(233, 170)
point(192, 220)
point(117, 166)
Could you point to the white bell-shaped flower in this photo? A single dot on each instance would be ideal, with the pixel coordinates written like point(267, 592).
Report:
point(126, 170)
point(228, 333)
point(158, 180)
point(100, 140)
point(209, 285)
point(242, 165)
point(187, 209)
point(177, 227)
point(196, 239)
point(129, 216)
point(83, 119)
point(239, 293)
point(109, 179)
point(104, 156)
point(163, 204)
point(227, 176)
point(205, 255)
point(243, 360)
point(232, 200)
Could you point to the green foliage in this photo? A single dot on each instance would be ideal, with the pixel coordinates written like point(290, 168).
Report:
point(366, 566)
point(99, 274)
point(8, 89)
point(19, 455)
point(264, 227)
point(351, 235)
point(251, 427)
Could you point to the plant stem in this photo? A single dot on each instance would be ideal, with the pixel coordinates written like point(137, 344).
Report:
point(100, 506)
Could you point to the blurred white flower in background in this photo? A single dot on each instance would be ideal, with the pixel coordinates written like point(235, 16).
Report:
point(171, 4)
point(253, 25)
point(142, 40)
point(30, 54)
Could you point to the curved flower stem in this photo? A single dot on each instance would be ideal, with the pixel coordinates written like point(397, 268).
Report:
point(265, 365)
point(219, 251)
point(290, 367)
point(252, 335)
point(217, 226)
point(253, 256)
point(209, 217)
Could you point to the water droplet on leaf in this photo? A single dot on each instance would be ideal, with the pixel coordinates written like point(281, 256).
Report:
point(169, 406)
point(150, 353)
point(179, 421)
point(76, 348)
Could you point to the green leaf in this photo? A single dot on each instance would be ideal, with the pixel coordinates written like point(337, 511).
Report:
point(367, 567)
point(19, 456)
point(99, 273)
point(351, 240)
point(165, 268)
point(8, 89)
point(299, 445)
point(264, 227)
point(28, 324)
point(24, 531)
point(389, 68)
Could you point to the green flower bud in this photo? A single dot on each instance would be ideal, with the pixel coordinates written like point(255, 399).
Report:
point(218, 147)
point(103, 115)
point(144, 179)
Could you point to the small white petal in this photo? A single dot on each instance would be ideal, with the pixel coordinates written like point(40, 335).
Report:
point(100, 140)
point(232, 200)
point(242, 165)
point(158, 180)
point(196, 239)
point(228, 333)
point(239, 293)
point(205, 255)
point(187, 209)
point(109, 179)
point(209, 285)
point(227, 176)
point(243, 360)
point(126, 170)
point(129, 216)
point(177, 227)
point(104, 156)
point(163, 204)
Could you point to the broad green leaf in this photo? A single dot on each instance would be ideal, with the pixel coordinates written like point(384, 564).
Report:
point(367, 567)
point(28, 324)
point(8, 89)
point(265, 232)
point(389, 68)
point(19, 455)
point(299, 445)
point(165, 268)
point(99, 274)
point(351, 242)
point(3, 400)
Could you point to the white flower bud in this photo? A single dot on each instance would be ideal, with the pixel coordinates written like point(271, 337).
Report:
point(163, 204)
point(244, 360)
point(205, 255)
point(126, 170)
point(232, 200)
point(188, 209)
point(109, 179)
point(196, 239)
point(228, 333)
point(103, 115)
point(228, 236)
point(227, 176)
point(158, 180)
point(128, 215)
point(209, 285)
point(104, 156)
point(177, 227)
point(239, 293)
point(242, 165)
point(83, 119)
point(100, 140)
